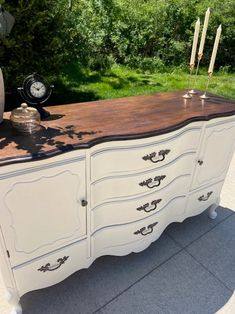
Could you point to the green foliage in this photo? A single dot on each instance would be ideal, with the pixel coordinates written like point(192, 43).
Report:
point(223, 12)
point(76, 84)
point(35, 43)
point(147, 34)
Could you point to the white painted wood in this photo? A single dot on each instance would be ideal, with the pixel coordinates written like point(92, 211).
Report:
point(215, 154)
point(114, 239)
point(212, 209)
point(14, 170)
point(125, 211)
point(195, 206)
point(50, 213)
point(13, 298)
point(88, 207)
point(42, 220)
point(112, 160)
point(118, 187)
point(28, 277)
point(5, 267)
point(17, 309)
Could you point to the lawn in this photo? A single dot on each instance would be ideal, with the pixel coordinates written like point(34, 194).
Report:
point(76, 85)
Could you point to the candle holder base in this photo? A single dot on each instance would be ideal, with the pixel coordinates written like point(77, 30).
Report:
point(187, 96)
point(204, 96)
point(192, 92)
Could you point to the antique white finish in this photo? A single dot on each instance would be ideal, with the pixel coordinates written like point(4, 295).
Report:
point(77, 259)
point(46, 227)
point(59, 214)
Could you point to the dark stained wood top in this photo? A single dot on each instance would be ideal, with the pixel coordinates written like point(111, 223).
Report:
point(83, 125)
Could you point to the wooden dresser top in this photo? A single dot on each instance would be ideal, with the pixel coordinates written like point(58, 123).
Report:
point(83, 125)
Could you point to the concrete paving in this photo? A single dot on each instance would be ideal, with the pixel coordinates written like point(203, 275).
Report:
point(190, 269)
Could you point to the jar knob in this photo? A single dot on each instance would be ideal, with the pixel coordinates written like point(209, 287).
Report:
point(24, 106)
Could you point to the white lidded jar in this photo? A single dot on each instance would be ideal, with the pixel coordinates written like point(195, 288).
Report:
point(25, 119)
point(2, 96)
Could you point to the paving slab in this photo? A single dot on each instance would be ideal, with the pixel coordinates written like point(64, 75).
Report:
point(179, 286)
point(229, 307)
point(216, 251)
point(88, 290)
point(194, 227)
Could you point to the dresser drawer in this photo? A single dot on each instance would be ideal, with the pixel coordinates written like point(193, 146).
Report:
point(140, 155)
point(51, 268)
point(130, 210)
point(124, 239)
point(201, 199)
point(141, 183)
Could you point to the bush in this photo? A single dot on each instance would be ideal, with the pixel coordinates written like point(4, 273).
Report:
point(135, 31)
point(147, 34)
point(154, 64)
point(36, 41)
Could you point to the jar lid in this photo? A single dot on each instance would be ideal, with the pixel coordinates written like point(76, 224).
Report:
point(25, 119)
point(24, 112)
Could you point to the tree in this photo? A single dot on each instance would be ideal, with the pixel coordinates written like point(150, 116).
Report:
point(35, 43)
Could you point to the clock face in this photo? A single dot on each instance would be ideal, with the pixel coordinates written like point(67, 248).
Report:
point(38, 89)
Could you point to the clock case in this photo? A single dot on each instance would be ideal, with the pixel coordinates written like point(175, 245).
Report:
point(25, 92)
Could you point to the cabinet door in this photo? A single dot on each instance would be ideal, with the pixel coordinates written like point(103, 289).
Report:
point(215, 154)
point(41, 210)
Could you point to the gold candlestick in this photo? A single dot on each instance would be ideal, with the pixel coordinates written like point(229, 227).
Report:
point(204, 96)
point(192, 91)
point(188, 95)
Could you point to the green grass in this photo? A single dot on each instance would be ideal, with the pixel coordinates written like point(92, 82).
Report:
point(76, 85)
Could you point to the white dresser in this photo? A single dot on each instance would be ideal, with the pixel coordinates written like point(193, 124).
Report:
point(110, 194)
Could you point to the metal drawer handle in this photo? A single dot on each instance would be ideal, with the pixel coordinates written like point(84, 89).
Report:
point(145, 231)
point(48, 266)
point(162, 154)
point(148, 182)
point(147, 208)
point(205, 198)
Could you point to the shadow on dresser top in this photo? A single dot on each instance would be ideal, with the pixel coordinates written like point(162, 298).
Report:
point(83, 125)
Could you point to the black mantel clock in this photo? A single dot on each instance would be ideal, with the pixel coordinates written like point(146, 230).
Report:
point(36, 90)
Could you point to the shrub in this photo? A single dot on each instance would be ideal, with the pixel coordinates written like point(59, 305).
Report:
point(35, 43)
point(147, 34)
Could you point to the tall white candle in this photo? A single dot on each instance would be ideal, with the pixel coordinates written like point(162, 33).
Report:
point(195, 40)
point(204, 30)
point(215, 48)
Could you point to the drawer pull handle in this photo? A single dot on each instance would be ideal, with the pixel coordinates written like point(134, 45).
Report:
point(205, 198)
point(145, 231)
point(147, 208)
point(162, 154)
point(148, 182)
point(49, 267)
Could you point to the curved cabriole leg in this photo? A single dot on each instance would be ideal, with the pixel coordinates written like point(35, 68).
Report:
point(212, 210)
point(13, 299)
point(17, 309)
